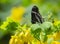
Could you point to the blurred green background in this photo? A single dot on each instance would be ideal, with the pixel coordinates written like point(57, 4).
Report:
point(46, 7)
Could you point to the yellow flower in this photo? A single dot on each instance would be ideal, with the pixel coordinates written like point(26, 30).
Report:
point(24, 37)
point(56, 22)
point(12, 40)
point(38, 42)
point(49, 36)
point(28, 35)
point(15, 40)
point(55, 42)
point(17, 13)
point(35, 41)
point(56, 36)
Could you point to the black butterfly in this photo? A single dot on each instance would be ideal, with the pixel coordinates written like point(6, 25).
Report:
point(35, 15)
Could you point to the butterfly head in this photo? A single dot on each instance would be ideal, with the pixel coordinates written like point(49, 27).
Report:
point(35, 9)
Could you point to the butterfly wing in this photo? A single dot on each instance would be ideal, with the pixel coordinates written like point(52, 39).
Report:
point(35, 16)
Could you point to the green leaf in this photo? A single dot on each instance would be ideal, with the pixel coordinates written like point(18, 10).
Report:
point(35, 30)
point(47, 27)
point(12, 26)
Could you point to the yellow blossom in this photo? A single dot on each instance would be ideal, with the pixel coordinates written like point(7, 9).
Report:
point(23, 37)
point(56, 22)
point(49, 36)
point(55, 42)
point(15, 40)
point(56, 36)
point(28, 35)
point(38, 42)
point(17, 13)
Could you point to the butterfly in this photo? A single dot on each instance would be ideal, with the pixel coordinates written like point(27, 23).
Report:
point(35, 15)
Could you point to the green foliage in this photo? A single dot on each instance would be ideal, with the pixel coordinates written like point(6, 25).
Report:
point(12, 26)
point(35, 30)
